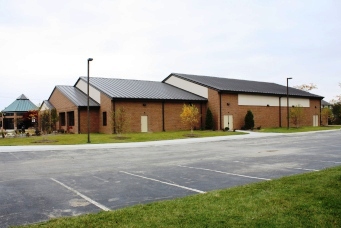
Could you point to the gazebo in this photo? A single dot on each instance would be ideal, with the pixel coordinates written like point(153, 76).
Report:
point(12, 116)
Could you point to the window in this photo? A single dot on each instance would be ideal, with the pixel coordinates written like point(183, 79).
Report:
point(71, 118)
point(104, 118)
point(62, 118)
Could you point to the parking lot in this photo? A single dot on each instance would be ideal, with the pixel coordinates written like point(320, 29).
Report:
point(40, 183)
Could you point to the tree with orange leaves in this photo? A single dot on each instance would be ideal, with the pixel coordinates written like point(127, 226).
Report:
point(190, 116)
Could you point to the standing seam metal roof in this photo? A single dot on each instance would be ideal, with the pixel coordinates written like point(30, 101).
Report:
point(21, 104)
point(48, 104)
point(243, 86)
point(138, 89)
point(76, 96)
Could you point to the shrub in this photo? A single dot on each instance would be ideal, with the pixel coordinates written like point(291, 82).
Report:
point(209, 120)
point(249, 122)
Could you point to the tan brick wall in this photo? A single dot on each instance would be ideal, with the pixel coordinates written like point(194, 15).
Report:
point(151, 109)
point(136, 109)
point(172, 116)
point(63, 105)
point(264, 116)
point(93, 120)
point(106, 106)
point(214, 105)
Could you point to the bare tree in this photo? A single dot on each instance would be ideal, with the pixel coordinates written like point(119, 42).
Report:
point(326, 114)
point(306, 87)
point(296, 115)
point(337, 98)
point(54, 119)
point(120, 121)
point(45, 120)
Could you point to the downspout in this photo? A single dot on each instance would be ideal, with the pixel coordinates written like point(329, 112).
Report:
point(321, 114)
point(220, 111)
point(163, 115)
point(113, 118)
point(201, 116)
point(79, 120)
point(280, 112)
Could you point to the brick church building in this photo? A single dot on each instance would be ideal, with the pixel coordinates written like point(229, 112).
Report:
point(156, 106)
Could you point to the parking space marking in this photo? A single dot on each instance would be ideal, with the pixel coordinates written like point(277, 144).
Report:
point(304, 169)
point(331, 162)
point(104, 208)
point(232, 174)
point(100, 179)
point(163, 182)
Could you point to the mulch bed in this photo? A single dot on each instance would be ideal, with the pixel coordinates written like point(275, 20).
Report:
point(121, 137)
point(45, 141)
point(192, 135)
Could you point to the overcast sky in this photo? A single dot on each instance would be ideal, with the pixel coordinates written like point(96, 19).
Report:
point(44, 43)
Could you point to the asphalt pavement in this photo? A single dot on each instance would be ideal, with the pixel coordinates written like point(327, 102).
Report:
point(38, 183)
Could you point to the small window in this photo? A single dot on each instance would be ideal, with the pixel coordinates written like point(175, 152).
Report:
point(62, 118)
point(104, 118)
point(71, 118)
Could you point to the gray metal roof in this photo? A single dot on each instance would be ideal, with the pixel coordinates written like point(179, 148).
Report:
point(76, 96)
point(242, 86)
point(138, 89)
point(21, 104)
point(325, 103)
point(48, 104)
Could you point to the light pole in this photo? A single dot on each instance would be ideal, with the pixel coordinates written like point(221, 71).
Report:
point(288, 102)
point(89, 59)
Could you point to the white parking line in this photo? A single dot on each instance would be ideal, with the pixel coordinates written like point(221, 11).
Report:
point(217, 171)
point(332, 162)
point(176, 185)
point(100, 179)
point(104, 208)
point(304, 169)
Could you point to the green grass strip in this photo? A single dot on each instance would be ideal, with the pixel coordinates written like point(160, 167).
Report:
point(306, 200)
point(71, 139)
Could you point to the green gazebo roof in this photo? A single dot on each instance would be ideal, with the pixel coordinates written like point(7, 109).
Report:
point(21, 104)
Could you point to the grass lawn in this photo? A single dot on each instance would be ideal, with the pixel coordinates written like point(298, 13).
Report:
point(68, 139)
point(300, 129)
point(306, 200)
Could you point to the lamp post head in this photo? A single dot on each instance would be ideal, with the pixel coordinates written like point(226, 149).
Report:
point(90, 59)
point(289, 78)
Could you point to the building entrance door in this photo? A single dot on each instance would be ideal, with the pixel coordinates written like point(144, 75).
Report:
point(315, 120)
point(144, 123)
point(228, 122)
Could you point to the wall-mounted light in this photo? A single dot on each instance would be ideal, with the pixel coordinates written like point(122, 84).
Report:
point(267, 105)
point(228, 104)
